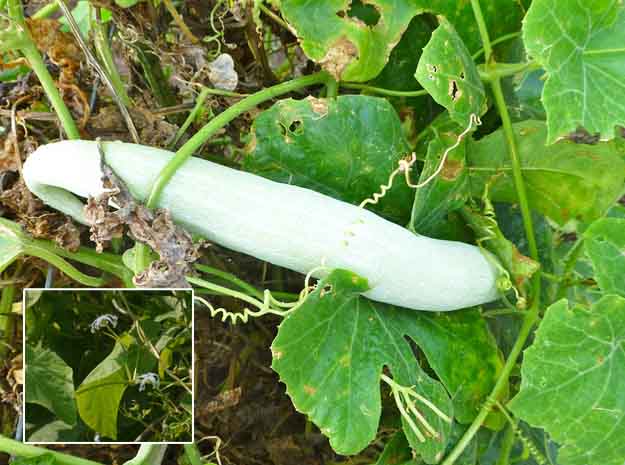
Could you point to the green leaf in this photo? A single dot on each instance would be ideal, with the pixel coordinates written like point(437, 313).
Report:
point(580, 45)
point(101, 392)
point(353, 50)
point(450, 189)
point(344, 147)
point(573, 381)
point(331, 352)
point(564, 181)
point(50, 383)
point(605, 245)
point(447, 71)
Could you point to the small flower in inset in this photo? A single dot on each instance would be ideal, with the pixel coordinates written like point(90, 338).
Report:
point(147, 378)
point(102, 321)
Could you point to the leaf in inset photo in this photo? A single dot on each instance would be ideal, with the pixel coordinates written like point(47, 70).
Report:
point(50, 383)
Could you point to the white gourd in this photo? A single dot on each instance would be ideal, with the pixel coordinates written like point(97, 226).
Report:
point(286, 225)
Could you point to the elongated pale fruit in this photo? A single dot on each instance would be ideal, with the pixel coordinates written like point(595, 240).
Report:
point(286, 225)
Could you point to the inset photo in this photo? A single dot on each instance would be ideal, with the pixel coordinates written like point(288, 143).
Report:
point(106, 365)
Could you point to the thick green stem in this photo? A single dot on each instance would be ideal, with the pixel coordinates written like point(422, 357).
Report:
point(332, 88)
point(9, 446)
point(481, 25)
point(192, 145)
point(517, 173)
point(532, 314)
point(507, 443)
point(32, 55)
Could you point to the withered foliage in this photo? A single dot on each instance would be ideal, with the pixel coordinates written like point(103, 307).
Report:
point(155, 228)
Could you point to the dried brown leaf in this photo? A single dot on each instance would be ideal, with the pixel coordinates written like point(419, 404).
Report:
point(155, 228)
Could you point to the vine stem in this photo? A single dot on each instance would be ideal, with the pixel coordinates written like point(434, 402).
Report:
point(200, 137)
point(382, 91)
point(20, 449)
point(32, 55)
point(532, 314)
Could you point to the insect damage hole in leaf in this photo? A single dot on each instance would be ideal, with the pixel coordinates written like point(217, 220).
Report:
point(447, 71)
point(454, 92)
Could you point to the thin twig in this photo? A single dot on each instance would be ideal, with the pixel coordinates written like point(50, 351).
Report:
point(103, 75)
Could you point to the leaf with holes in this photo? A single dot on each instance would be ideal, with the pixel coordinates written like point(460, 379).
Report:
point(564, 181)
point(332, 350)
point(447, 71)
point(50, 383)
point(605, 245)
point(343, 147)
point(449, 190)
point(573, 381)
point(353, 40)
point(580, 45)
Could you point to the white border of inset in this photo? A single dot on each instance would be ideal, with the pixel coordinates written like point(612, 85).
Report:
point(102, 289)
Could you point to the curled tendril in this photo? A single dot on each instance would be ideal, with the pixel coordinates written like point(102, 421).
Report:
point(406, 163)
point(269, 304)
point(405, 397)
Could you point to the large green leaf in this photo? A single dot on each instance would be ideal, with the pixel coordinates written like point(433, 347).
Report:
point(344, 147)
point(352, 50)
point(573, 381)
point(605, 245)
point(101, 392)
point(447, 71)
point(449, 190)
point(580, 45)
point(50, 383)
point(564, 181)
point(331, 351)
point(330, 354)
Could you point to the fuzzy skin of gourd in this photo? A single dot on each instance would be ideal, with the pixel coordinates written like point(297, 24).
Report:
point(286, 225)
